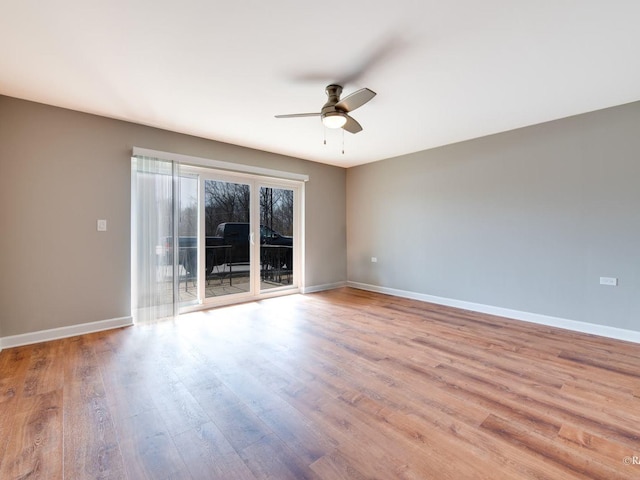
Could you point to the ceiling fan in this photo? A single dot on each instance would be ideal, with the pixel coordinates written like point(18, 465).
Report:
point(334, 113)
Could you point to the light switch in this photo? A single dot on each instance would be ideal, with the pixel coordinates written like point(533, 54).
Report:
point(102, 225)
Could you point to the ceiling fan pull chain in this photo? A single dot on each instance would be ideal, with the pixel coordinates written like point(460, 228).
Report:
point(343, 141)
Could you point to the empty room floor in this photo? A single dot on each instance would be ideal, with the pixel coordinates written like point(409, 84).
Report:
point(343, 384)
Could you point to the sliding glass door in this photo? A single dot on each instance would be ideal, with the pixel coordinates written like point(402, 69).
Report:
point(204, 237)
point(277, 235)
point(226, 213)
point(247, 237)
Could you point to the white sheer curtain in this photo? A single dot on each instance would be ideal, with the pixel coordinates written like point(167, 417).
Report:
point(154, 197)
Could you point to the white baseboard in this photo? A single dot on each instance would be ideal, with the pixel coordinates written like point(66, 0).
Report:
point(321, 288)
point(64, 332)
point(577, 326)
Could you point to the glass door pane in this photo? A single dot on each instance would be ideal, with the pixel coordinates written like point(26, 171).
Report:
point(227, 238)
point(276, 237)
point(188, 240)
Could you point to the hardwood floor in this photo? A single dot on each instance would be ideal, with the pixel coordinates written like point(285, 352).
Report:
point(343, 384)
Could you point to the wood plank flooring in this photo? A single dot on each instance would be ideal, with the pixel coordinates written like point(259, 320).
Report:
point(343, 384)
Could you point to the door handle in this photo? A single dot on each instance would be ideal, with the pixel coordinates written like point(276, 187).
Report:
point(251, 239)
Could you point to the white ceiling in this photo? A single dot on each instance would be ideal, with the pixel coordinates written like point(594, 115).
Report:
point(444, 71)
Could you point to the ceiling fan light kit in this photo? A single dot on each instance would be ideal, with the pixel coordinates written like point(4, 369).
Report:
point(334, 113)
point(334, 120)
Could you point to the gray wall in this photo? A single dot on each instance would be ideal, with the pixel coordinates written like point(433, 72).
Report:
point(526, 220)
point(61, 170)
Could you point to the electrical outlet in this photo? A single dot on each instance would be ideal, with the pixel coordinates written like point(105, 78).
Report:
point(374, 259)
point(102, 225)
point(611, 281)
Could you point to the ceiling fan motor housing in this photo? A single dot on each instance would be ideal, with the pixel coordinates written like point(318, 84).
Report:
point(329, 109)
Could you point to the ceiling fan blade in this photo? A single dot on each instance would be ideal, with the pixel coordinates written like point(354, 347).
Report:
point(355, 100)
point(352, 126)
point(296, 115)
point(375, 56)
